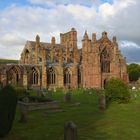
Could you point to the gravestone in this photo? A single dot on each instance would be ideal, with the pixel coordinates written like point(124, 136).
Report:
point(70, 131)
point(38, 92)
point(24, 110)
point(49, 93)
point(67, 97)
point(44, 92)
point(54, 90)
point(102, 102)
point(23, 114)
point(101, 99)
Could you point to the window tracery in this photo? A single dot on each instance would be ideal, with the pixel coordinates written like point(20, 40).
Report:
point(67, 77)
point(105, 61)
point(51, 76)
point(35, 76)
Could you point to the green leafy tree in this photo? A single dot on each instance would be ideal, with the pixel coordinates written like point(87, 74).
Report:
point(133, 71)
point(134, 75)
point(117, 90)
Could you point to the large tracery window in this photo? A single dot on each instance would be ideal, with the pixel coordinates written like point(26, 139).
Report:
point(105, 61)
point(51, 76)
point(67, 77)
point(34, 76)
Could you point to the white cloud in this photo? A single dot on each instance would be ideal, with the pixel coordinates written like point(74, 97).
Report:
point(130, 50)
point(81, 12)
point(11, 39)
point(128, 44)
point(10, 52)
point(108, 10)
point(17, 24)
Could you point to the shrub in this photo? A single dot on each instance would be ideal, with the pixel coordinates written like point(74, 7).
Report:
point(8, 102)
point(117, 90)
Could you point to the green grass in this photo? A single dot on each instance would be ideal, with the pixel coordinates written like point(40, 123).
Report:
point(118, 122)
point(7, 61)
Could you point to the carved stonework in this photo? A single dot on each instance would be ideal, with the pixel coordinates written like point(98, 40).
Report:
point(43, 65)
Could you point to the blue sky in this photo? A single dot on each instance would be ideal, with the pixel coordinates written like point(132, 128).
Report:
point(21, 20)
point(7, 3)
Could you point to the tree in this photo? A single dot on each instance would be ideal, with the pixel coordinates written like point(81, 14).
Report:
point(133, 71)
point(117, 90)
point(134, 75)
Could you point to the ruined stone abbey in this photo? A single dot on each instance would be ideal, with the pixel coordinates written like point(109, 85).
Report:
point(52, 65)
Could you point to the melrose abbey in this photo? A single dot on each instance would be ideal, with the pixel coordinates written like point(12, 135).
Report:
point(52, 65)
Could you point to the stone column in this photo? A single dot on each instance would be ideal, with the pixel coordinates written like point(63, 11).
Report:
point(25, 82)
point(44, 70)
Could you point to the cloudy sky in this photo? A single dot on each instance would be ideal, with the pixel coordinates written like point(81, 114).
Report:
point(21, 20)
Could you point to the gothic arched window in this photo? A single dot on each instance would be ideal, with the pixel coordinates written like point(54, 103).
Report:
point(26, 59)
point(35, 76)
point(51, 76)
point(67, 77)
point(105, 61)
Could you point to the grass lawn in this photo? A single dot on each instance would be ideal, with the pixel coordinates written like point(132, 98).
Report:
point(117, 122)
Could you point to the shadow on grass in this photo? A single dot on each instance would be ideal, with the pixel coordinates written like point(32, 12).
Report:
point(89, 119)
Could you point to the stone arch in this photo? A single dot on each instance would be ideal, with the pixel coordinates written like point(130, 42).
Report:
point(14, 75)
point(26, 56)
point(34, 76)
point(67, 76)
point(51, 76)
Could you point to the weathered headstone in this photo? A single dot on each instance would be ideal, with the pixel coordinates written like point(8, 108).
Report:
point(38, 92)
point(50, 94)
point(43, 92)
point(102, 102)
point(101, 99)
point(67, 97)
point(23, 114)
point(70, 131)
point(54, 90)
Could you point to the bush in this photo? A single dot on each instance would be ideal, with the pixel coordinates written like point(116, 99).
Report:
point(133, 71)
point(8, 102)
point(117, 90)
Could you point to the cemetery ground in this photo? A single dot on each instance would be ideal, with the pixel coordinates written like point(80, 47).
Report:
point(117, 122)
